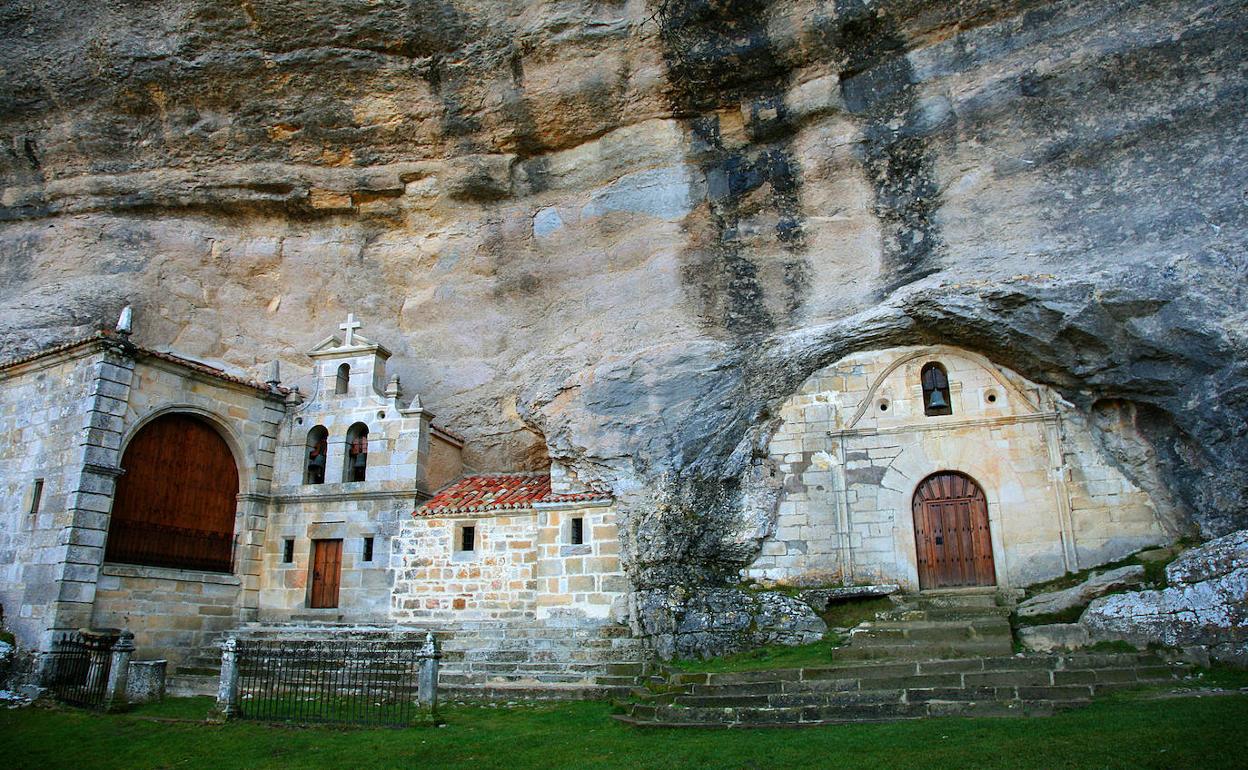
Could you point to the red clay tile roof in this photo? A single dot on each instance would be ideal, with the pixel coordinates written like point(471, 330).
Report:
point(500, 491)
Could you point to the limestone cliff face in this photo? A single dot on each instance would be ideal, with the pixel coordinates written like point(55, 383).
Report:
point(626, 231)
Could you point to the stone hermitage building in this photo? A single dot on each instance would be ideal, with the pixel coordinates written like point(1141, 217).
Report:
point(148, 491)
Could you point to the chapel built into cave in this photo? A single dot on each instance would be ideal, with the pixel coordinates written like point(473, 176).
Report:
point(727, 311)
point(148, 491)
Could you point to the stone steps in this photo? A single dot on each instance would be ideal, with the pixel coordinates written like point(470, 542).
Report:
point(989, 686)
point(182, 685)
point(478, 663)
point(934, 625)
point(543, 691)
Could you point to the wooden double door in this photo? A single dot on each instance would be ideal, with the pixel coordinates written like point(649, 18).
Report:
point(175, 504)
point(326, 573)
point(951, 532)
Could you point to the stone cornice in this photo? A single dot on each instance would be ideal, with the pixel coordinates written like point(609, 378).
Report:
point(984, 422)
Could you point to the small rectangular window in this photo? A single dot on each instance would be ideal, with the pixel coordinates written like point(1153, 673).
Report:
point(368, 549)
point(468, 539)
point(36, 497)
point(578, 531)
point(288, 551)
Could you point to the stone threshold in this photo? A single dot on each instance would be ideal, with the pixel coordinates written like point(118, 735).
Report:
point(169, 573)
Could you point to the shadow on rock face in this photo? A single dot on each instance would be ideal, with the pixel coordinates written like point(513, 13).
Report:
point(722, 64)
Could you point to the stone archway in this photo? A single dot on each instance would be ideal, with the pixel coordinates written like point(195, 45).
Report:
point(175, 504)
point(953, 541)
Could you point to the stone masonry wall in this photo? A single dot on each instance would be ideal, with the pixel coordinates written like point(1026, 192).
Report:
point(171, 612)
point(248, 421)
point(364, 588)
point(524, 567)
point(583, 580)
point(434, 580)
point(41, 428)
point(855, 444)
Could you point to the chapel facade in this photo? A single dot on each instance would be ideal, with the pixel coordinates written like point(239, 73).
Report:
point(149, 491)
point(932, 467)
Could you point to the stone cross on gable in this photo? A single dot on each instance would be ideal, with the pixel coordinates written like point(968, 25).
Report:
point(349, 327)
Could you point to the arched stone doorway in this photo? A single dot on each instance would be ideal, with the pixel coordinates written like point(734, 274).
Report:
point(951, 532)
point(175, 504)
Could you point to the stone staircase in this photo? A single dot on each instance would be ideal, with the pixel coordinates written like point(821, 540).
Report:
point(487, 661)
point(197, 674)
point(1020, 685)
point(541, 662)
point(937, 653)
point(935, 625)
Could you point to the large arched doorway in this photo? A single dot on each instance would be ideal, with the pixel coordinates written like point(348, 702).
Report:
point(176, 501)
point(951, 534)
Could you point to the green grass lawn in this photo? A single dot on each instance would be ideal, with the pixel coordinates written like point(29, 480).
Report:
point(1125, 732)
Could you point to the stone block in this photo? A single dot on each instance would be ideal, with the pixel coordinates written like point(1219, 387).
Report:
point(1077, 596)
point(1056, 636)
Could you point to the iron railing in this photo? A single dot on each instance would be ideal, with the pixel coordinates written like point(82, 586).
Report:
point(70, 675)
point(160, 545)
point(346, 682)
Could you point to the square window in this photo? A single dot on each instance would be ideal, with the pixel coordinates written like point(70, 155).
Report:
point(368, 549)
point(578, 531)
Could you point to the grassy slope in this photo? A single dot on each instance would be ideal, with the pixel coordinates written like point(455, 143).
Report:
point(1187, 732)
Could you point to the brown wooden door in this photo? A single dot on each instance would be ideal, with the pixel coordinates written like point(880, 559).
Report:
point(326, 572)
point(951, 533)
point(175, 503)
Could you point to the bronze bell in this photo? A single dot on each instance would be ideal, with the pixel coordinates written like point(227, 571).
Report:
point(938, 400)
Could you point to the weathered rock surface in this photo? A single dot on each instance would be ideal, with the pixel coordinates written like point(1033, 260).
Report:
point(1077, 596)
point(8, 655)
point(1205, 604)
point(822, 598)
point(1054, 636)
point(703, 623)
point(623, 232)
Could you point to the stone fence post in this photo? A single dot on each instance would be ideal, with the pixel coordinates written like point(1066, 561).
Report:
point(119, 672)
point(227, 690)
point(427, 678)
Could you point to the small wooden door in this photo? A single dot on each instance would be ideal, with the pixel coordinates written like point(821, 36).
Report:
point(951, 532)
point(326, 572)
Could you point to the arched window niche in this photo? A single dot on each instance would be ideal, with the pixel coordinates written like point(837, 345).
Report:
point(935, 381)
point(315, 454)
point(344, 379)
point(175, 504)
point(357, 453)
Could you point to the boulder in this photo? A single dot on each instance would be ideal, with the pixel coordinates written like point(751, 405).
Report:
point(8, 653)
point(1055, 636)
point(1077, 596)
point(1158, 554)
point(711, 622)
point(1205, 605)
point(822, 598)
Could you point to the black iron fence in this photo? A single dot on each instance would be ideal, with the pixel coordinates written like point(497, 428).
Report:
point(349, 681)
point(77, 671)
